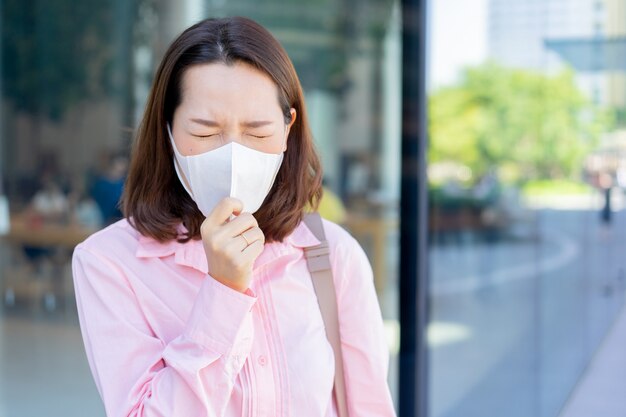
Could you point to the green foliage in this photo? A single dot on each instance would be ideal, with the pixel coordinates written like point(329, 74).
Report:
point(555, 187)
point(530, 124)
point(320, 36)
point(57, 53)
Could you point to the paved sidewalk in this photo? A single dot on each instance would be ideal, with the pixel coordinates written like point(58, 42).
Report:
point(601, 392)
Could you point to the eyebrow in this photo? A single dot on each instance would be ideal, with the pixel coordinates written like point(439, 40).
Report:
point(211, 123)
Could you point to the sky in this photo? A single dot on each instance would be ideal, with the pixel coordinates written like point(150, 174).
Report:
point(457, 38)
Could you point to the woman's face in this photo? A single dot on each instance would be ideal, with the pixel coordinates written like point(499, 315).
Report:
point(222, 104)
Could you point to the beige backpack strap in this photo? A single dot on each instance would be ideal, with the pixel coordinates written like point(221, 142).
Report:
point(318, 261)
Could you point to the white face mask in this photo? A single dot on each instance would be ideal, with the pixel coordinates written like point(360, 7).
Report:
point(232, 170)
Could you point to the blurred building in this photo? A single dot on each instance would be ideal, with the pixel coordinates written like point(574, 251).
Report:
point(525, 34)
point(601, 53)
point(517, 28)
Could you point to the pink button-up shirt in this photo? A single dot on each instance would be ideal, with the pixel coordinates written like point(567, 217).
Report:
point(165, 339)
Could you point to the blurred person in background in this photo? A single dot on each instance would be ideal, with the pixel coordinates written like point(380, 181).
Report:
point(108, 184)
point(48, 205)
point(50, 202)
point(84, 210)
point(200, 301)
point(606, 186)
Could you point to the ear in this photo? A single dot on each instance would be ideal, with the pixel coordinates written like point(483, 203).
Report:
point(293, 113)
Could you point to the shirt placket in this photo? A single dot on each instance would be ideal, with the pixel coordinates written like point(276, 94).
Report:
point(262, 367)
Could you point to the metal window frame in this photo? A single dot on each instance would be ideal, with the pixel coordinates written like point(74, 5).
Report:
point(413, 360)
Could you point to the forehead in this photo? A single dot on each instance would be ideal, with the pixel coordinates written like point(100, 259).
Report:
point(218, 85)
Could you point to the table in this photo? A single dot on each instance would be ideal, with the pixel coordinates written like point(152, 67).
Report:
point(40, 282)
point(46, 234)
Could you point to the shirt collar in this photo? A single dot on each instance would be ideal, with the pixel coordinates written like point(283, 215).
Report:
point(302, 237)
point(192, 254)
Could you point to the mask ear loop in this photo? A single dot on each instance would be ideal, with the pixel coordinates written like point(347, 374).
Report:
point(179, 171)
point(286, 137)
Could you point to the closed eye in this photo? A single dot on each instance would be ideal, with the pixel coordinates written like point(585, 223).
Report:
point(206, 136)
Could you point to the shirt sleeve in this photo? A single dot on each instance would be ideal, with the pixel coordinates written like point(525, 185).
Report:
point(365, 351)
point(137, 373)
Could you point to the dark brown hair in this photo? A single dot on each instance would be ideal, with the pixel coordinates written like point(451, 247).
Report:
point(154, 200)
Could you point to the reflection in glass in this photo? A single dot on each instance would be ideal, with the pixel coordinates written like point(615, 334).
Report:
point(526, 204)
point(75, 78)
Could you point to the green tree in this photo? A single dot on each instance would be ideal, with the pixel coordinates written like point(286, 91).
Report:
point(55, 54)
point(534, 125)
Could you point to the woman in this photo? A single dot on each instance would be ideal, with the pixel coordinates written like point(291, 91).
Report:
point(200, 303)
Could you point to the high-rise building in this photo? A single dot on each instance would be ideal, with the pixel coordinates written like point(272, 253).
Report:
point(616, 29)
point(522, 34)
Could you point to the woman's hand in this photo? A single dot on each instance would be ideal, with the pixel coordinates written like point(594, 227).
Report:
point(231, 247)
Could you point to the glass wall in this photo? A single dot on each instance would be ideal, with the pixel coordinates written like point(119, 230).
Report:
point(74, 79)
point(526, 199)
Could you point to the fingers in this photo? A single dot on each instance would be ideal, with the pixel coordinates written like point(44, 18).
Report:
point(240, 224)
point(254, 234)
point(253, 251)
point(241, 255)
point(224, 209)
point(231, 247)
point(218, 219)
point(240, 242)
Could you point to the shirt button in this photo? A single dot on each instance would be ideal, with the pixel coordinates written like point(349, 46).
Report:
point(262, 360)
